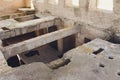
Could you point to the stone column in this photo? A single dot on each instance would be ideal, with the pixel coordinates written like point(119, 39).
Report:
point(60, 25)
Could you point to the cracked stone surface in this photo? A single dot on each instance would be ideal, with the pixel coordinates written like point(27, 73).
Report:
point(7, 23)
point(3, 64)
point(84, 65)
point(89, 67)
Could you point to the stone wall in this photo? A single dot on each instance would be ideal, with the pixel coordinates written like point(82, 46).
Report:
point(10, 6)
point(3, 64)
point(86, 13)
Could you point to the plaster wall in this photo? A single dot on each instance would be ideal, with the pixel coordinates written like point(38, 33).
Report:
point(96, 21)
point(10, 6)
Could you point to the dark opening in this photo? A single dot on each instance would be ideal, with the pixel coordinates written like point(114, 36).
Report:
point(110, 57)
point(4, 28)
point(118, 73)
point(53, 44)
point(86, 40)
point(32, 53)
point(30, 12)
point(44, 54)
point(41, 32)
point(98, 51)
point(17, 39)
point(13, 61)
point(52, 29)
point(68, 43)
point(60, 55)
point(114, 39)
point(102, 65)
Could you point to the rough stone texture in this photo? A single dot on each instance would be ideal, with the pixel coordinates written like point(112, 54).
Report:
point(117, 6)
point(20, 47)
point(25, 18)
point(29, 26)
point(87, 13)
point(12, 15)
point(3, 64)
point(1, 47)
point(8, 22)
point(110, 49)
point(91, 32)
point(84, 65)
point(34, 71)
point(46, 55)
point(87, 67)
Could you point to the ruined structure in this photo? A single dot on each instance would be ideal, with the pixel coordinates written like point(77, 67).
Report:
point(59, 40)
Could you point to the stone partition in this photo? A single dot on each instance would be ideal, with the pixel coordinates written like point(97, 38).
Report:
point(19, 28)
point(3, 64)
point(30, 44)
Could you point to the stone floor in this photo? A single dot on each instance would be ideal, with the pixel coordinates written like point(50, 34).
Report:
point(96, 60)
point(46, 55)
point(34, 71)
